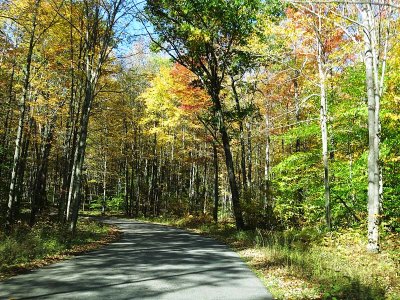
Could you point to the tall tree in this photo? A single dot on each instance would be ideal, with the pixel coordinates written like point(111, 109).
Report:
point(376, 38)
point(22, 112)
point(99, 34)
point(33, 29)
point(203, 36)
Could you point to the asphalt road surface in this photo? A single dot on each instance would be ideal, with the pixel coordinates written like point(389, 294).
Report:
point(149, 262)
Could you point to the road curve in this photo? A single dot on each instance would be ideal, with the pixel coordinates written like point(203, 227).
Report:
point(149, 262)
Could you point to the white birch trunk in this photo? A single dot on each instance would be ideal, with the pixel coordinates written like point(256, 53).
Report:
point(323, 124)
point(373, 97)
point(103, 205)
point(267, 195)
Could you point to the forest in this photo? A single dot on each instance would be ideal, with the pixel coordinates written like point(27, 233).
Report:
point(275, 116)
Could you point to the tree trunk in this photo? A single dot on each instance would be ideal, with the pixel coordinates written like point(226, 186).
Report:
point(297, 103)
point(9, 116)
point(71, 132)
point(249, 157)
point(40, 196)
point(22, 112)
point(127, 187)
point(373, 128)
point(98, 42)
point(267, 195)
point(323, 123)
point(204, 182)
point(237, 210)
point(104, 201)
point(77, 169)
point(216, 183)
point(241, 137)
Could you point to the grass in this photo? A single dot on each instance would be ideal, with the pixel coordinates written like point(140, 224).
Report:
point(28, 248)
point(295, 264)
point(307, 264)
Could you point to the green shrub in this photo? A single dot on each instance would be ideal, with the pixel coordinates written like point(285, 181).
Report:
point(45, 238)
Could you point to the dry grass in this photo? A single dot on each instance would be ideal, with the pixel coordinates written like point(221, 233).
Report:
point(27, 249)
point(305, 264)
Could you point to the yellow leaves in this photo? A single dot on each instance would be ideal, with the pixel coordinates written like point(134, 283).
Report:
point(171, 103)
point(395, 159)
point(396, 100)
point(160, 102)
point(392, 116)
point(22, 12)
point(162, 113)
point(197, 34)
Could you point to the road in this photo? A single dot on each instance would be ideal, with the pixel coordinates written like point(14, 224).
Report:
point(149, 262)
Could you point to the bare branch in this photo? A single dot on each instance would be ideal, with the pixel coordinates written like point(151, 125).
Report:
point(346, 2)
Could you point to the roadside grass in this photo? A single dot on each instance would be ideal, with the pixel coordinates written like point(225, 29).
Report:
point(46, 242)
point(307, 264)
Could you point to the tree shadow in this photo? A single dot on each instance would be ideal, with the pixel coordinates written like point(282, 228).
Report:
point(148, 262)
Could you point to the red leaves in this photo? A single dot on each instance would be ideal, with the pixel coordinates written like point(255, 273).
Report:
point(193, 98)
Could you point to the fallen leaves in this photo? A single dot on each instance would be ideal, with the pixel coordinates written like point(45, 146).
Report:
point(112, 235)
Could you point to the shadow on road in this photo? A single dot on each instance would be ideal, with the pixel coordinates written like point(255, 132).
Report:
point(149, 262)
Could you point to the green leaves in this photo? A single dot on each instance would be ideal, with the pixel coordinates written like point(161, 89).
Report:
point(202, 29)
point(303, 131)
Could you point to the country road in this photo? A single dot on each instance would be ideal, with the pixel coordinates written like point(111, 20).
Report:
point(149, 262)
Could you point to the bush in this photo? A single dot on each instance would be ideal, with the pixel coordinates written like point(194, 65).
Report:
point(256, 214)
point(194, 221)
point(45, 238)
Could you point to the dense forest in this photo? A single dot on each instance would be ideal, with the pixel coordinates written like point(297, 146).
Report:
point(275, 115)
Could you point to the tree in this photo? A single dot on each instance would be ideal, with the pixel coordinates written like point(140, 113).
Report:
point(33, 31)
point(375, 54)
point(99, 34)
point(203, 36)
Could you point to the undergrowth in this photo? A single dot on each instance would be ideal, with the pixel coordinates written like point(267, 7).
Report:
point(307, 264)
point(25, 247)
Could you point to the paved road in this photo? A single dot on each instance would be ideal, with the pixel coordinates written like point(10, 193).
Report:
point(149, 262)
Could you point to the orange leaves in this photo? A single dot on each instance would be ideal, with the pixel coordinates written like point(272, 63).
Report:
point(334, 40)
point(192, 97)
point(172, 104)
